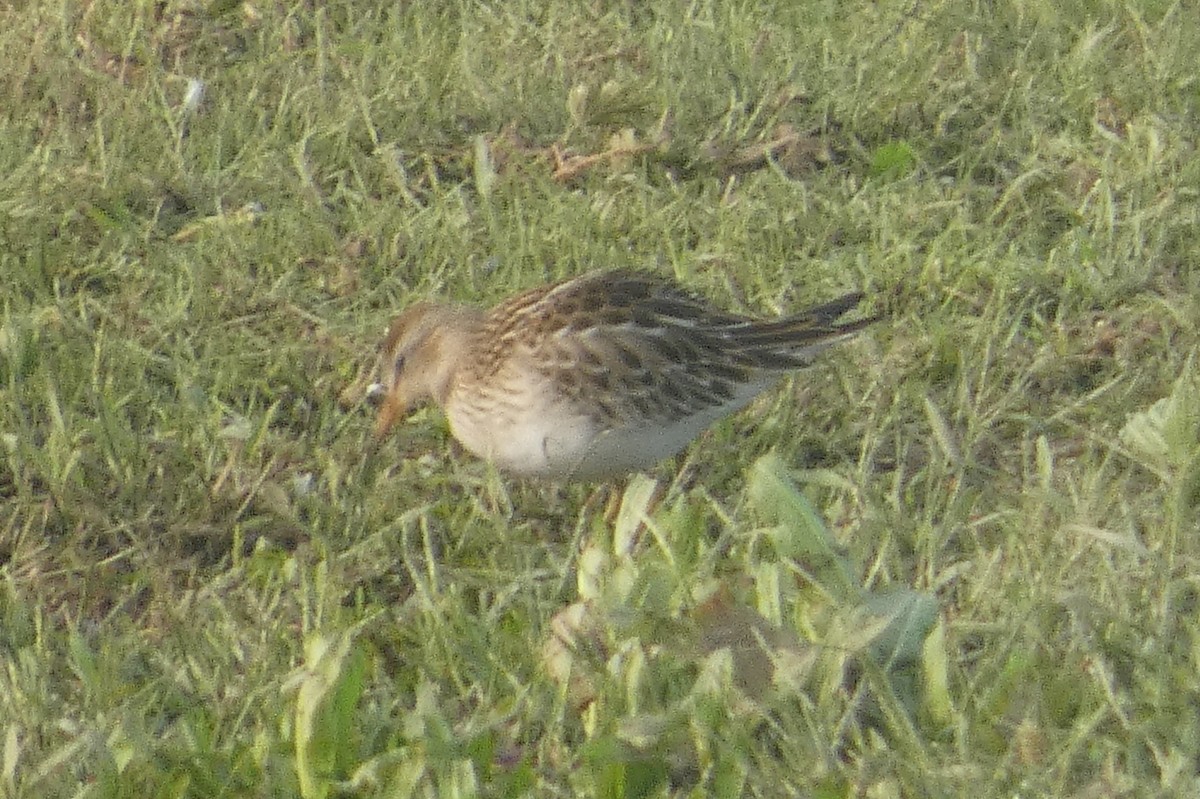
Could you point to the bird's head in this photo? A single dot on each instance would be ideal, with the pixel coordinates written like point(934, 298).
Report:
point(418, 360)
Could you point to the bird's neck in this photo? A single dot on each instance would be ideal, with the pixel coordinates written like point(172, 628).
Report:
point(455, 340)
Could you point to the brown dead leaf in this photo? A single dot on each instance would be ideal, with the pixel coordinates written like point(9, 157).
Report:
point(795, 153)
point(622, 147)
point(756, 645)
point(576, 640)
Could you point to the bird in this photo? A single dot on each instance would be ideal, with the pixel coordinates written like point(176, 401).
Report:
point(593, 377)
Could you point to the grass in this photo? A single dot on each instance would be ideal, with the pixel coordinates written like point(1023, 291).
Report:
point(959, 555)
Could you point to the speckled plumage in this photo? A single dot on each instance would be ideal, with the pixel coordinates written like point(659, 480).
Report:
point(595, 376)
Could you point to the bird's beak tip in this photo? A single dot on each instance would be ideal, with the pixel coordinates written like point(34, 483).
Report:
point(389, 413)
point(383, 426)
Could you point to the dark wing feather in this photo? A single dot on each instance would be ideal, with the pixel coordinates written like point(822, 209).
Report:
point(638, 347)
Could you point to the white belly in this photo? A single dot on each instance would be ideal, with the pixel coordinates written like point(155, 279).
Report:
point(527, 434)
point(538, 435)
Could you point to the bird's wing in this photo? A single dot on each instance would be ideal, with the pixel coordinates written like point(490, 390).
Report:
point(636, 348)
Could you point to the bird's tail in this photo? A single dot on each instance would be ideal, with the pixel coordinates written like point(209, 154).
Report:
point(792, 341)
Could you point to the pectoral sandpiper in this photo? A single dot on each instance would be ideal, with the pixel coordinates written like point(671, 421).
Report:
point(595, 376)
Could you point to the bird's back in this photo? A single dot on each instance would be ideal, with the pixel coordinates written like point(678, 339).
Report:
point(632, 347)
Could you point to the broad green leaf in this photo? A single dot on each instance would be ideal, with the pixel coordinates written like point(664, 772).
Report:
point(798, 531)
